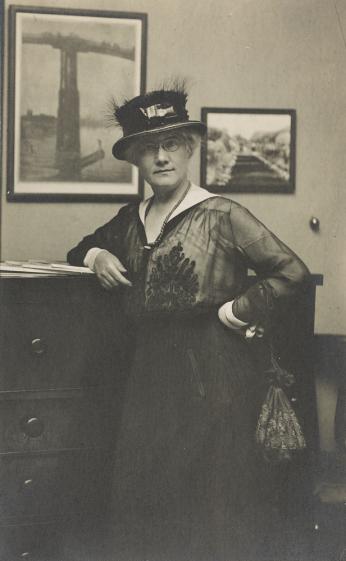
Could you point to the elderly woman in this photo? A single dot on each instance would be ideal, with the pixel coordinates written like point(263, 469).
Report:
point(186, 470)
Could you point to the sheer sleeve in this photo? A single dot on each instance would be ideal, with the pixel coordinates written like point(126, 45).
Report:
point(109, 236)
point(281, 272)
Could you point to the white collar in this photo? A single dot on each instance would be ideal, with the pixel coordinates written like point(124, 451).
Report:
point(194, 196)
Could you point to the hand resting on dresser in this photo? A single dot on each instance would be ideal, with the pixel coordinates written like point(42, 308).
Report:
point(109, 270)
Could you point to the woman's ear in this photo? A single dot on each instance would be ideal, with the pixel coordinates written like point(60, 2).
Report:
point(189, 150)
point(191, 146)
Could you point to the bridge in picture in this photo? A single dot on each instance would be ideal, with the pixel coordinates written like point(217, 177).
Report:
point(68, 159)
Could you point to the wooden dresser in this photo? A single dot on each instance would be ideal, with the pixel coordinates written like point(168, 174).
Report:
point(60, 394)
point(63, 348)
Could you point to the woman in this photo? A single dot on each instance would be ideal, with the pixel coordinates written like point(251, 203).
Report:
point(186, 485)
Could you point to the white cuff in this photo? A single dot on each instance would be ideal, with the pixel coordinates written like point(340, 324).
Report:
point(90, 257)
point(227, 317)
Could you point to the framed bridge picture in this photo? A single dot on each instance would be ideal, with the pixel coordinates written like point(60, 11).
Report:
point(248, 150)
point(66, 67)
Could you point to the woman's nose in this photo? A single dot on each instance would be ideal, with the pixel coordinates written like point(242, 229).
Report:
point(161, 154)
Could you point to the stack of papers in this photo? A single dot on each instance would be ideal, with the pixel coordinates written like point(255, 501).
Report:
point(41, 268)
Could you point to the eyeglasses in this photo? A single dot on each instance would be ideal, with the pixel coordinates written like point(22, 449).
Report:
point(170, 144)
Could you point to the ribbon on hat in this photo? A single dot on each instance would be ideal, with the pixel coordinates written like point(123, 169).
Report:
point(158, 111)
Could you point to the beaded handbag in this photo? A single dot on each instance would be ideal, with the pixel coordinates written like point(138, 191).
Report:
point(278, 431)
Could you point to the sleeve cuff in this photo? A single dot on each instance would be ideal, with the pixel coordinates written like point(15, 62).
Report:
point(90, 257)
point(228, 318)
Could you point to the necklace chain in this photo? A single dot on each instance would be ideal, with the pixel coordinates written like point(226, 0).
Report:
point(160, 235)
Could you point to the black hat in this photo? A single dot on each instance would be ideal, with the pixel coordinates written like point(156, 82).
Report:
point(151, 113)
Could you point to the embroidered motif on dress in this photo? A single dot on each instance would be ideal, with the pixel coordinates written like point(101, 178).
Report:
point(173, 284)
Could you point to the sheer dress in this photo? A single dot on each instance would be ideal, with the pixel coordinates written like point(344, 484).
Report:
point(187, 475)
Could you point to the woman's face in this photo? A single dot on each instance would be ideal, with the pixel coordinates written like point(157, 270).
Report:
point(163, 160)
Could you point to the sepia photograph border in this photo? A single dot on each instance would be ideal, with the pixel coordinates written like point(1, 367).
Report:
point(61, 188)
point(251, 168)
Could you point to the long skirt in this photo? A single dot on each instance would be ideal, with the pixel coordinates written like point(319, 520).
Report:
point(186, 477)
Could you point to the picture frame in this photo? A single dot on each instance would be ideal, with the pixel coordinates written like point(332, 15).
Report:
point(248, 150)
point(67, 67)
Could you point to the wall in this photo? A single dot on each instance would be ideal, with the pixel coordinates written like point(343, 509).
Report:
point(238, 53)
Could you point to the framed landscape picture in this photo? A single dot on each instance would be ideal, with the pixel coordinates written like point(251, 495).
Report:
point(248, 150)
point(65, 68)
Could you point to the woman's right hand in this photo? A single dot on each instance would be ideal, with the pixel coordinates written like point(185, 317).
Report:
point(109, 270)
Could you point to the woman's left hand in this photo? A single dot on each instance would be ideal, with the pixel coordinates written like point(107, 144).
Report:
point(249, 332)
point(243, 329)
point(254, 331)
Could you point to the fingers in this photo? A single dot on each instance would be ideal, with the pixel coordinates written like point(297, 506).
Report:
point(105, 283)
point(254, 331)
point(250, 332)
point(110, 279)
point(113, 274)
point(119, 264)
point(110, 271)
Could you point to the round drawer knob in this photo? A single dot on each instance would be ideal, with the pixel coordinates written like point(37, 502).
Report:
point(38, 346)
point(28, 483)
point(25, 555)
point(32, 426)
point(314, 224)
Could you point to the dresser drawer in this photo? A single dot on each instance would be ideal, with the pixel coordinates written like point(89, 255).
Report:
point(69, 541)
point(51, 486)
point(56, 345)
point(33, 423)
point(31, 542)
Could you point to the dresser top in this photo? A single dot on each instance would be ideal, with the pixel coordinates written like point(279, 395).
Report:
point(32, 268)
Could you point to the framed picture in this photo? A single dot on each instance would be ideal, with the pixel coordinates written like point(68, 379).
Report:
point(65, 68)
point(248, 150)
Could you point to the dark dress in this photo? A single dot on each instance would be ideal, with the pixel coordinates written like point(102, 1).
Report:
point(187, 479)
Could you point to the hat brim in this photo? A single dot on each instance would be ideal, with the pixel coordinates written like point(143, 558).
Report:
point(120, 147)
